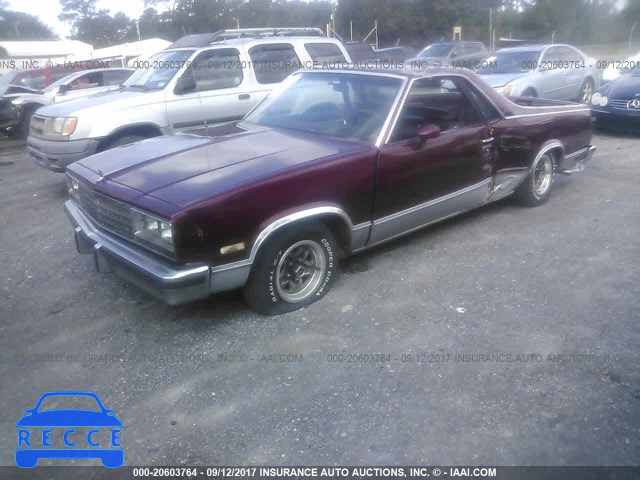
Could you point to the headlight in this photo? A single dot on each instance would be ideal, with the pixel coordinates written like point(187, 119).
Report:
point(152, 232)
point(506, 90)
point(603, 101)
point(595, 98)
point(73, 187)
point(60, 126)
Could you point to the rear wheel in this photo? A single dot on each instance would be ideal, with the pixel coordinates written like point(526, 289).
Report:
point(294, 269)
point(536, 189)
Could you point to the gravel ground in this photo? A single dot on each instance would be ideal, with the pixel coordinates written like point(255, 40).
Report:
point(207, 383)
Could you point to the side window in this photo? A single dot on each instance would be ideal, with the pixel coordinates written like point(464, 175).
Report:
point(115, 77)
point(273, 63)
point(90, 80)
point(570, 55)
point(440, 101)
point(554, 54)
point(217, 69)
point(489, 112)
point(324, 52)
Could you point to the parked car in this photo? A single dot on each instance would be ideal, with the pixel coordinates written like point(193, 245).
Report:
point(396, 54)
point(360, 52)
point(333, 162)
point(616, 106)
point(615, 68)
point(460, 53)
point(559, 72)
point(76, 85)
point(179, 89)
point(26, 81)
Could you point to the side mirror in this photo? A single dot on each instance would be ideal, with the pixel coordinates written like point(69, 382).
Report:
point(186, 83)
point(64, 88)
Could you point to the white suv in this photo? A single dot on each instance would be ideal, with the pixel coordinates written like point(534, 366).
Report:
point(178, 89)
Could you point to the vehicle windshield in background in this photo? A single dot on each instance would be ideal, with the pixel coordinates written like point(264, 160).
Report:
point(436, 50)
point(159, 71)
point(509, 62)
point(341, 105)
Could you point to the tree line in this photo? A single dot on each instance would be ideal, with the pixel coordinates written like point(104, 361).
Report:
point(405, 22)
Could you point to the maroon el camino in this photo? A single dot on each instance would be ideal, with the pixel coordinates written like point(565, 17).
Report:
point(333, 162)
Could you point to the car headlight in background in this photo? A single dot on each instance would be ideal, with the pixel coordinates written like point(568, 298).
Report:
point(56, 127)
point(152, 232)
point(506, 90)
point(599, 100)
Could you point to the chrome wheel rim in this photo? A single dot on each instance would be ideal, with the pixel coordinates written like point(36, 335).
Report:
point(300, 271)
point(587, 91)
point(542, 174)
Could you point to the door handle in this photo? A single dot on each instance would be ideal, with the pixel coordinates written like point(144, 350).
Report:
point(244, 96)
point(486, 141)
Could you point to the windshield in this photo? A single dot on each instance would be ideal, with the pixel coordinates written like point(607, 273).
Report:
point(436, 50)
point(510, 62)
point(161, 68)
point(69, 402)
point(340, 105)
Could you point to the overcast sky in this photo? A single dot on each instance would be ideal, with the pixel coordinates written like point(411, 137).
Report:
point(48, 10)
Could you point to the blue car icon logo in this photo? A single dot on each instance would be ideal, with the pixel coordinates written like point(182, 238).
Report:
point(69, 433)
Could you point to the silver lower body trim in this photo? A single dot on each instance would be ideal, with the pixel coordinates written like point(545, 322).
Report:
point(404, 222)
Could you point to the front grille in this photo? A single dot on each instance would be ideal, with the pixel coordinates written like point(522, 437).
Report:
point(619, 104)
point(36, 127)
point(108, 213)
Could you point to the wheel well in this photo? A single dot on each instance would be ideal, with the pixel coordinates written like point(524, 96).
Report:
point(532, 90)
point(142, 130)
point(556, 156)
point(338, 226)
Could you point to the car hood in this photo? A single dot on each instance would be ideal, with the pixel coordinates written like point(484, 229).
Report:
point(115, 99)
point(69, 418)
point(501, 79)
point(186, 169)
point(625, 87)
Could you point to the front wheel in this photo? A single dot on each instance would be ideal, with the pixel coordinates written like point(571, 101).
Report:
point(294, 269)
point(586, 91)
point(536, 188)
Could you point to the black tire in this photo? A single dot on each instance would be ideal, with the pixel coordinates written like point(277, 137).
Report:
point(124, 140)
point(530, 92)
point(586, 91)
point(536, 188)
point(22, 129)
point(286, 258)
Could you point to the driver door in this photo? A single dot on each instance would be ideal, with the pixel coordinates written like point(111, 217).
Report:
point(421, 181)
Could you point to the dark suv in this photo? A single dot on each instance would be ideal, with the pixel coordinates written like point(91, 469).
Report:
point(448, 53)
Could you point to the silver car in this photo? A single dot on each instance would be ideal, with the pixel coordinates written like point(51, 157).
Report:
point(78, 84)
point(558, 72)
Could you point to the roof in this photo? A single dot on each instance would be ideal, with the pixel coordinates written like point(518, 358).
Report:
point(255, 40)
point(408, 73)
point(53, 48)
point(132, 49)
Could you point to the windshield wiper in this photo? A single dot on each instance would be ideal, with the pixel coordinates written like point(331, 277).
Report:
point(136, 85)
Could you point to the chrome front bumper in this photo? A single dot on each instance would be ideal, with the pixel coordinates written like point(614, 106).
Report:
point(171, 283)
